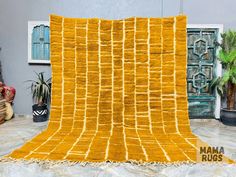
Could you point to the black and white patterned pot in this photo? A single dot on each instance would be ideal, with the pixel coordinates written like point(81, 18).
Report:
point(40, 113)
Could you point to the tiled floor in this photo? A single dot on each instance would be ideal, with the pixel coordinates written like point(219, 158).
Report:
point(17, 131)
point(216, 134)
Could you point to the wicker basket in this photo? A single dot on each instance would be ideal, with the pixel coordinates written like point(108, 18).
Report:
point(2, 109)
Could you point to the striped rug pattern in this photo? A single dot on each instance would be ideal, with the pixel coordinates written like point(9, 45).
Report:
point(118, 93)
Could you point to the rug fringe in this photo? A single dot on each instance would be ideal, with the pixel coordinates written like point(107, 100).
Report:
point(51, 163)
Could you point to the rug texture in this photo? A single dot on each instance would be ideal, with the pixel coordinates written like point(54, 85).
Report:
point(118, 93)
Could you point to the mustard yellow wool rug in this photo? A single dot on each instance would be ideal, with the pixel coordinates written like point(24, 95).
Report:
point(118, 93)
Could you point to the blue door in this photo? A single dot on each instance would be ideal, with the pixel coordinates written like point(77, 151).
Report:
point(201, 71)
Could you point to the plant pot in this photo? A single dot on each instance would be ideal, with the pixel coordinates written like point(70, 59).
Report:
point(40, 113)
point(228, 117)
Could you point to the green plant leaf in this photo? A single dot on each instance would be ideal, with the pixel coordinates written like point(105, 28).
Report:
point(40, 89)
point(225, 78)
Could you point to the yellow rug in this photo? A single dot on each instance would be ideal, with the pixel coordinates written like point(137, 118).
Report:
point(118, 93)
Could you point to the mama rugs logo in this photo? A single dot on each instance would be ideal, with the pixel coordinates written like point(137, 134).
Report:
point(212, 154)
point(208, 153)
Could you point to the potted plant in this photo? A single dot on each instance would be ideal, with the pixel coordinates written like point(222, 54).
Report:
point(41, 93)
point(226, 85)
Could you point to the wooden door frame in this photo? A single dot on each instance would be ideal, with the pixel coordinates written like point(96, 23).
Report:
point(218, 70)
